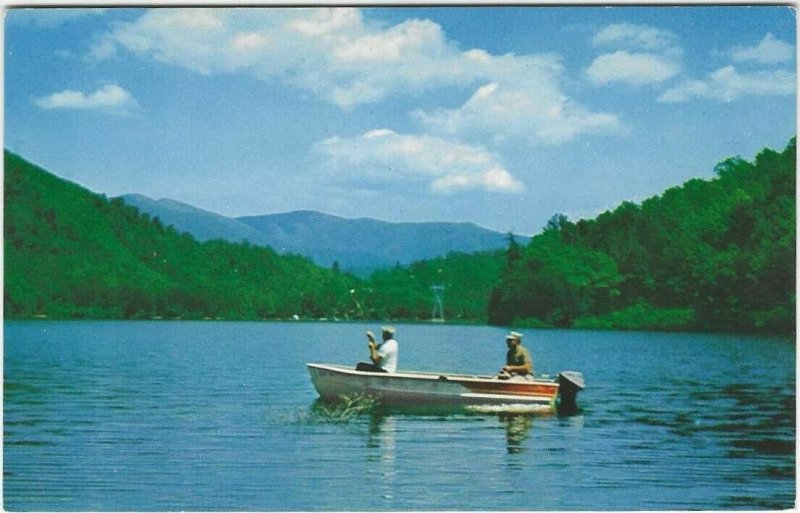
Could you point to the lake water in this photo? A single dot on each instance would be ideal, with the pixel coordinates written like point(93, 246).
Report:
point(222, 416)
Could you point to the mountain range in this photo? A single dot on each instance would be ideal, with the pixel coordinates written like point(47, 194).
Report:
point(356, 245)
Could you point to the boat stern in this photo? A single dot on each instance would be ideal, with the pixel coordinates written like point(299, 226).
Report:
point(569, 384)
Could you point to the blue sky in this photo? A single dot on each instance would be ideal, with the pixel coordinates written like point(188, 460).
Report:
point(502, 116)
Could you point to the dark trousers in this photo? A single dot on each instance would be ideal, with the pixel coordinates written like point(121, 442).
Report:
point(368, 367)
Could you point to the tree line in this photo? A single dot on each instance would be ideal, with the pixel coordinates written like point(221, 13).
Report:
point(70, 253)
point(709, 255)
point(715, 255)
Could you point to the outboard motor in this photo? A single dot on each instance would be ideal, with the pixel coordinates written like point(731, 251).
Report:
point(569, 384)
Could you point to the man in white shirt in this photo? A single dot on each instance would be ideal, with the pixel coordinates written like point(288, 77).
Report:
point(383, 355)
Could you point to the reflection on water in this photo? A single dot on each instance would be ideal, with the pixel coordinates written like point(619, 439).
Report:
point(518, 428)
point(381, 445)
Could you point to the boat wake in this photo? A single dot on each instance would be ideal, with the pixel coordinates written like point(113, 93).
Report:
point(346, 408)
point(510, 408)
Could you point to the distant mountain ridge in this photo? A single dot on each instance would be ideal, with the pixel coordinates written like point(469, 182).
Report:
point(202, 224)
point(359, 245)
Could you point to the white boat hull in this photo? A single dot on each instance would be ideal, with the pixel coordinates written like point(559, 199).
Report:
point(432, 389)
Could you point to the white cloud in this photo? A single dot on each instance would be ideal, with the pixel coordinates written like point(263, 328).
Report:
point(249, 42)
point(631, 68)
point(727, 84)
point(331, 52)
point(540, 114)
point(638, 37)
point(385, 156)
point(493, 179)
point(646, 55)
point(337, 55)
point(322, 22)
point(392, 46)
point(109, 98)
point(643, 55)
point(769, 51)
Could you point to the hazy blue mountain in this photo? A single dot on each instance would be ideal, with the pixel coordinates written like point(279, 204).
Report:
point(357, 245)
point(202, 224)
point(370, 242)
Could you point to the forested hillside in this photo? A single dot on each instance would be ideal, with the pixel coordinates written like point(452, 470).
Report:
point(714, 255)
point(709, 255)
point(70, 253)
point(405, 292)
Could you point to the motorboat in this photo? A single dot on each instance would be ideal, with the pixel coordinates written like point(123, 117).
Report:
point(412, 388)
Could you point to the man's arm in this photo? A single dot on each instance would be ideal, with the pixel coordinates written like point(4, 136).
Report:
point(525, 368)
point(374, 355)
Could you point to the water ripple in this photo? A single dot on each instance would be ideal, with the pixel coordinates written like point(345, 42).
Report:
point(221, 416)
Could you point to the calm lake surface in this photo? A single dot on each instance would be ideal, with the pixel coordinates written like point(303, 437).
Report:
point(222, 416)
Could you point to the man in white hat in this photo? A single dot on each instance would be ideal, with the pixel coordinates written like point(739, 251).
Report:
point(518, 358)
point(383, 355)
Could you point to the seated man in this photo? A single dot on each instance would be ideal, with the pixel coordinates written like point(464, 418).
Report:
point(518, 359)
point(384, 355)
